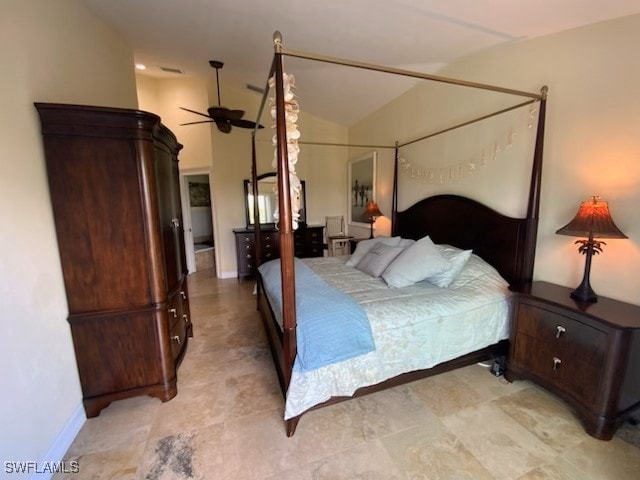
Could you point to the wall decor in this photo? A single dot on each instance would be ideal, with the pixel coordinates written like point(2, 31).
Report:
point(362, 187)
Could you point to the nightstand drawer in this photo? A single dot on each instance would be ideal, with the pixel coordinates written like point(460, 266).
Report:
point(553, 363)
point(563, 334)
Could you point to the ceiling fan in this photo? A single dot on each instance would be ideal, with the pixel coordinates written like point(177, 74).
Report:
point(223, 117)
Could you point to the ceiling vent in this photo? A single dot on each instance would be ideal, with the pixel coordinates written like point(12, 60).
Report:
point(171, 70)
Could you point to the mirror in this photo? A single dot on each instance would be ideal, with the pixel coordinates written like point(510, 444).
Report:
point(267, 200)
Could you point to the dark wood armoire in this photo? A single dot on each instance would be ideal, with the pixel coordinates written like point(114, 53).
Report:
point(114, 185)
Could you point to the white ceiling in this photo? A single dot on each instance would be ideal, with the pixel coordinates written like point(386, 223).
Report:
point(421, 35)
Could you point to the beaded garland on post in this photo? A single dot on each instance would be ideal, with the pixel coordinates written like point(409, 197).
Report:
point(291, 109)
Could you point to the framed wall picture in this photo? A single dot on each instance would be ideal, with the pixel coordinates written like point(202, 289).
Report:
point(362, 187)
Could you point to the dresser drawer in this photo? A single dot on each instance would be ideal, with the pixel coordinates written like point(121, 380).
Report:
point(178, 339)
point(270, 246)
point(313, 242)
point(563, 334)
point(245, 251)
point(551, 362)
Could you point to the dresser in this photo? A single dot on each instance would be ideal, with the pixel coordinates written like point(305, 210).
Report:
point(588, 354)
point(114, 186)
point(307, 243)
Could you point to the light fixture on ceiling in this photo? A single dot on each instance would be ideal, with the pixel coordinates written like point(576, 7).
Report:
point(141, 66)
point(223, 117)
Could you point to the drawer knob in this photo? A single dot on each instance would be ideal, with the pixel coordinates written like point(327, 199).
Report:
point(560, 330)
point(556, 362)
point(173, 312)
point(186, 318)
point(183, 295)
point(176, 339)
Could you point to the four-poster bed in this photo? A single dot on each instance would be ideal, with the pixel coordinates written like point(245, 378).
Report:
point(504, 243)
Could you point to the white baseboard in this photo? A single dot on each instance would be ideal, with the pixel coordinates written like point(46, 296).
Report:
point(228, 275)
point(61, 443)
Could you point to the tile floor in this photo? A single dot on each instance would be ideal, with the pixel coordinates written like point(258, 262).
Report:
point(226, 421)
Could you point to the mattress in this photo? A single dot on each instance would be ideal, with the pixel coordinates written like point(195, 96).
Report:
point(414, 327)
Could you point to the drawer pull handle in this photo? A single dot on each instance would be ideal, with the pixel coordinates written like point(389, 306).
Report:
point(176, 339)
point(186, 319)
point(560, 330)
point(173, 312)
point(183, 295)
point(556, 362)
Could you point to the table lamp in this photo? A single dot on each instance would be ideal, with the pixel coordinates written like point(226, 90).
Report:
point(371, 213)
point(593, 220)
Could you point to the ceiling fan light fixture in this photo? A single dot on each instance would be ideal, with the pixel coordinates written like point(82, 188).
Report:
point(223, 117)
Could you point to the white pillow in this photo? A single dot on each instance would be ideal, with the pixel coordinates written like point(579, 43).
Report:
point(365, 245)
point(457, 258)
point(406, 242)
point(376, 260)
point(419, 261)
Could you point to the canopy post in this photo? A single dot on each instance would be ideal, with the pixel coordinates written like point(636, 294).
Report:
point(533, 207)
point(394, 199)
point(256, 209)
point(287, 271)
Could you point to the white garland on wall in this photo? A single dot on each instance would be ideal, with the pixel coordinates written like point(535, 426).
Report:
point(456, 172)
point(291, 110)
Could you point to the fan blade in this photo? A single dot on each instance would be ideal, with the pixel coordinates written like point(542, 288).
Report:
point(235, 114)
point(244, 124)
point(193, 123)
point(223, 126)
point(218, 112)
point(197, 113)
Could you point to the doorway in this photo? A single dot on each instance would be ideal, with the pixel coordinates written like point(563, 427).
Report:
point(199, 232)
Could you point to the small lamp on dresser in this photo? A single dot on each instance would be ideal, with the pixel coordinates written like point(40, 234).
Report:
point(371, 214)
point(593, 220)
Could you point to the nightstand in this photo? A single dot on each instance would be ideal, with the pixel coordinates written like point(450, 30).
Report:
point(588, 354)
point(354, 243)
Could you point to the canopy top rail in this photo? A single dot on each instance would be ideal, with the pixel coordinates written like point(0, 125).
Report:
point(277, 40)
point(279, 49)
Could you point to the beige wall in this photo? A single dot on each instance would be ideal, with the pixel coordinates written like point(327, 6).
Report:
point(51, 52)
point(163, 97)
point(229, 155)
point(592, 142)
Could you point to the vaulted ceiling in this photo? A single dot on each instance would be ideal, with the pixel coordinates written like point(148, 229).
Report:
point(421, 35)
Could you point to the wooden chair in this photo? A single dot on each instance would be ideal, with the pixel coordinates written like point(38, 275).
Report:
point(335, 236)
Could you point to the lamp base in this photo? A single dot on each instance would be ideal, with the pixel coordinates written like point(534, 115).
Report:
point(584, 293)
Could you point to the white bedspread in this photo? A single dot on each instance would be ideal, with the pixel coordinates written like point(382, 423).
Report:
point(414, 328)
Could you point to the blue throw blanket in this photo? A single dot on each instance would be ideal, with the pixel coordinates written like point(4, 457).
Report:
point(331, 326)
